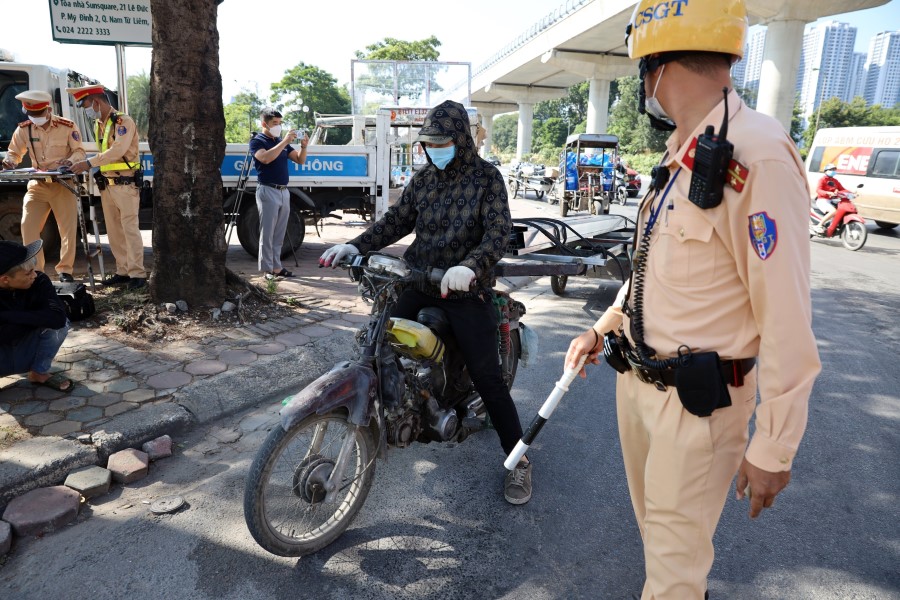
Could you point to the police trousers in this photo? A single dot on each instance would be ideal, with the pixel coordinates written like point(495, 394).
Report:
point(679, 469)
point(120, 213)
point(40, 198)
point(474, 322)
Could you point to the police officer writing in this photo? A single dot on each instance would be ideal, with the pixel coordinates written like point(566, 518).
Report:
point(119, 181)
point(718, 305)
point(52, 142)
point(458, 208)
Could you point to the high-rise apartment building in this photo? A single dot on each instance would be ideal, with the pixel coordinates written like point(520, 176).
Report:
point(857, 82)
point(825, 64)
point(753, 58)
point(883, 69)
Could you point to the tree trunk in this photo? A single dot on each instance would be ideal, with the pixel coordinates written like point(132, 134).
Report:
point(187, 139)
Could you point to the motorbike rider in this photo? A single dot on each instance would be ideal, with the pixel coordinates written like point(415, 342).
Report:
point(826, 191)
point(459, 210)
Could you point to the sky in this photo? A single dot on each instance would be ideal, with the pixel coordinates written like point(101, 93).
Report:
point(260, 39)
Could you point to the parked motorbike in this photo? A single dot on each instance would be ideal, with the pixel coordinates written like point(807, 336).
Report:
point(408, 383)
point(852, 228)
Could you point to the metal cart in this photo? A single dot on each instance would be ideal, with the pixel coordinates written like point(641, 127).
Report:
point(531, 178)
point(596, 247)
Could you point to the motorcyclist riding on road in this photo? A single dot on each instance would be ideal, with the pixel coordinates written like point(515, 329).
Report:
point(826, 191)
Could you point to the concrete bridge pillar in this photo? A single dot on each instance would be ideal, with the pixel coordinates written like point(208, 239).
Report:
point(526, 96)
point(777, 81)
point(523, 137)
point(598, 105)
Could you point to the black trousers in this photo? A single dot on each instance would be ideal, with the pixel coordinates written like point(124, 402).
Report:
point(474, 323)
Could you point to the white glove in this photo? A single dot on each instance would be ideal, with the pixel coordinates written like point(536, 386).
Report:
point(335, 254)
point(458, 278)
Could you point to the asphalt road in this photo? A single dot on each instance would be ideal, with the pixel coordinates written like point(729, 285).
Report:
point(435, 525)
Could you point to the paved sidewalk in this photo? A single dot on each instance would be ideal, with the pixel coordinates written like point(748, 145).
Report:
point(124, 396)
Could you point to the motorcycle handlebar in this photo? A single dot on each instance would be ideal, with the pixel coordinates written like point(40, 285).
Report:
point(429, 275)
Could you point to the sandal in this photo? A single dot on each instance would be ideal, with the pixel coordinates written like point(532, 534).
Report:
point(57, 381)
point(283, 273)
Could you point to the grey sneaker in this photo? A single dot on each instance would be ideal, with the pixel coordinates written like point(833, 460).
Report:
point(517, 486)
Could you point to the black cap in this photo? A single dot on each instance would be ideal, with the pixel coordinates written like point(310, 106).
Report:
point(13, 254)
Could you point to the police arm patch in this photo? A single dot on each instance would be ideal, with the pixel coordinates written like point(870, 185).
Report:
point(121, 130)
point(763, 234)
point(75, 136)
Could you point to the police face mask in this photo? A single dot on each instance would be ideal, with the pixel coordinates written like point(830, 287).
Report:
point(91, 113)
point(441, 157)
point(38, 120)
point(651, 106)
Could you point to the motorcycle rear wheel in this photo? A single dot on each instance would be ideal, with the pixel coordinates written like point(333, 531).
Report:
point(283, 500)
point(854, 235)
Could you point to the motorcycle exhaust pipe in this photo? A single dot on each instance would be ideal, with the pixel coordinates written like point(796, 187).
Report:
point(550, 404)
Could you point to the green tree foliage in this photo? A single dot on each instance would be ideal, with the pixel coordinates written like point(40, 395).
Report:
point(836, 113)
point(242, 117)
point(309, 86)
point(394, 49)
point(138, 87)
point(797, 122)
point(748, 95)
point(633, 129)
point(504, 134)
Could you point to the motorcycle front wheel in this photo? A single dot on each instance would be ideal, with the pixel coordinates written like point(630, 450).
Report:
point(284, 499)
point(854, 235)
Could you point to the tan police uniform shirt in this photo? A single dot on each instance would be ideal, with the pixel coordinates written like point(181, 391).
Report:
point(123, 147)
point(61, 140)
point(735, 278)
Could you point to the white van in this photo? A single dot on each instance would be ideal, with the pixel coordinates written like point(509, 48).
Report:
point(867, 155)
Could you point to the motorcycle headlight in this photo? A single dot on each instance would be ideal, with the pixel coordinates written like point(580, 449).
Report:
point(388, 264)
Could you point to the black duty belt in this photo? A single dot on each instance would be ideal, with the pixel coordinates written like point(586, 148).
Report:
point(120, 180)
point(274, 185)
point(733, 372)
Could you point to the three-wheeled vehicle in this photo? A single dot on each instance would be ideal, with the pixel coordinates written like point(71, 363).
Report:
point(591, 179)
point(525, 177)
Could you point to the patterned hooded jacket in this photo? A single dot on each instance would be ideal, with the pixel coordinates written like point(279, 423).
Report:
point(460, 215)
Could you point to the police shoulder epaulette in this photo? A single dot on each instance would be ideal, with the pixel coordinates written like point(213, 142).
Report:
point(25, 123)
point(119, 120)
point(65, 122)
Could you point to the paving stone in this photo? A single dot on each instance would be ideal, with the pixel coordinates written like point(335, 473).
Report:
point(267, 349)
point(42, 510)
point(128, 465)
point(169, 379)
point(268, 327)
point(105, 375)
point(61, 428)
point(17, 394)
point(354, 318)
point(73, 355)
point(205, 367)
point(292, 339)
point(104, 400)
point(90, 481)
point(27, 408)
point(42, 418)
point(67, 403)
point(117, 409)
point(316, 331)
point(5, 537)
point(338, 323)
point(88, 413)
point(237, 357)
point(161, 447)
point(42, 392)
point(91, 365)
point(139, 395)
point(98, 387)
point(79, 391)
point(121, 385)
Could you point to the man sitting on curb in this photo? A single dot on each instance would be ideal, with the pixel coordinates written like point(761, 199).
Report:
point(33, 321)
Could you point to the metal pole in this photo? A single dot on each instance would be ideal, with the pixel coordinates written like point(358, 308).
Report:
point(120, 68)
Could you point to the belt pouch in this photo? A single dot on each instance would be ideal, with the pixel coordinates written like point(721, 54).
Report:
point(701, 387)
point(612, 352)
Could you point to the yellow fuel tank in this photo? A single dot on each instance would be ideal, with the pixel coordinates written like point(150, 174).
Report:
point(412, 339)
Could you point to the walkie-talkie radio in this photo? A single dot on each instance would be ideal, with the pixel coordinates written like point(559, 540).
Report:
point(711, 159)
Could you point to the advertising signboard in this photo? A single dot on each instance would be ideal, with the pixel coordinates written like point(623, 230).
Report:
point(105, 22)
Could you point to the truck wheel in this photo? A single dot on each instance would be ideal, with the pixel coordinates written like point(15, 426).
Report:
point(11, 220)
point(885, 224)
point(248, 230)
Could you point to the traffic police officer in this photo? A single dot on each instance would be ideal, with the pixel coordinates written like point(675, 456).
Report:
point(117, 139)
point(52, 142)
point(731, 278)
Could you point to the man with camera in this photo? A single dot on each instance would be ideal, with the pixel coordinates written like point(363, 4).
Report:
point(52, 142)
point(119, 180)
